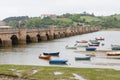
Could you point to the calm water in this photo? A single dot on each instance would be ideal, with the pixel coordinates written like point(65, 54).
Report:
point(28, 55)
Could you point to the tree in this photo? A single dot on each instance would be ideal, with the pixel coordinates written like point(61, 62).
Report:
point(14, 24)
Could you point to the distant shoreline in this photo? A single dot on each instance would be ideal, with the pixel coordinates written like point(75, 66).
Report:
point(111, 29)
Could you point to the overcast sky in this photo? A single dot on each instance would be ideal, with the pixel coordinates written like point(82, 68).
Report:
point(35, 8)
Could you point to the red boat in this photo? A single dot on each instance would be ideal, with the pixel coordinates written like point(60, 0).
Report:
point(93, 44)
point(100, 38)
point(45, 57)
point(113, 55)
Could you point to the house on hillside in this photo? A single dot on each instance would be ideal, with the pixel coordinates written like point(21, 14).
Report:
point(3, 26)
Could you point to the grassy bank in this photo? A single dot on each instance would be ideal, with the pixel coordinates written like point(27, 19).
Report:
point(58, 73)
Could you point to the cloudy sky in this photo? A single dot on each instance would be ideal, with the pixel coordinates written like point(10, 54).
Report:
point(35, 8)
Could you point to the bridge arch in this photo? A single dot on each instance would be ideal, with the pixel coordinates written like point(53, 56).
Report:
point(28, 39)
point(47, 35)
point(54, 36)
point(0, 42)
point(14, 40)
point(64, 34)
point(39, 37)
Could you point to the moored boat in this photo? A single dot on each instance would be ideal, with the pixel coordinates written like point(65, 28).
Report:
point(71, 47)
point(115, 46)
point(90, 49)
point(82, 41)
point(45, 57)
point(52, 54)
point(93, 44)
point(83, 58)
point(100, 38)
point(92, 40)
point(113, 54)
point(81, 44)
point(58, 61)
point(90, 54)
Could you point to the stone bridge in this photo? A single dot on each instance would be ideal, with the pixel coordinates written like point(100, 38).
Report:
point(10, 37)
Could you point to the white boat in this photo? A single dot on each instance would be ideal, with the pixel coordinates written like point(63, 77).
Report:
point(113, 55)
point(70, 47)
point(92, 40)
point(81, 44)
point(90, 54)
point(82, 41)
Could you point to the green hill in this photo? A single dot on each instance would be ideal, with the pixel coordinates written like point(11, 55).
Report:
point(90, 18)
point(64, 19)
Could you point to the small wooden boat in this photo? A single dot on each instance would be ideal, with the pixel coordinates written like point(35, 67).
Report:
point(57, 61)
point(100, 38)
point(83, 58)
point(71, 47)
point(45, 57)
point(52, 54)
point(92, 40)
point(90, 49)
point(90, 54)
point(116, 48)
point(82, 41)
point(81, 44)
point(93, 44)
point(113, 54)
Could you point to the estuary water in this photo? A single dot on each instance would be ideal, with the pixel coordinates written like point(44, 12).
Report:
point(28, 55)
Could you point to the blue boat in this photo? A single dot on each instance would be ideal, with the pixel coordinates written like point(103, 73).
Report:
point(95, 42)
point(90, 49)
point(52, 54)
point(57, 61)
point(83, 58)
point(116, 48)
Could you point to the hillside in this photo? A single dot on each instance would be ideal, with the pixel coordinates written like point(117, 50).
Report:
point(90, 18)
point(66, 20)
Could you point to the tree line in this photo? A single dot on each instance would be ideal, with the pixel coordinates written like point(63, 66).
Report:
point(65, 20)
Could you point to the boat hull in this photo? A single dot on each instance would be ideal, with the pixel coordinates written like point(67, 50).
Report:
point(82, 45)
point(71, 47)
point(116, 48)
point(83, 58)
point(83, 41)
point(45, 57)
point(52, 54)
point(113, 55)
point(58, 61)
point(99, 38)
point(95, 42)
point(90, 49)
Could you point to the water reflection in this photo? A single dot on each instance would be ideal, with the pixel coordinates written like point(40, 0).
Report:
point(28, 54)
